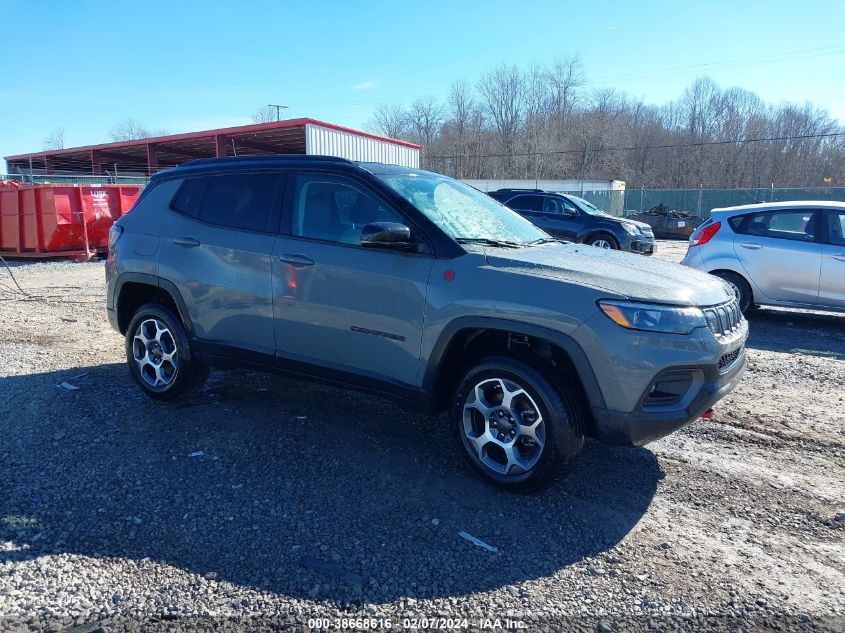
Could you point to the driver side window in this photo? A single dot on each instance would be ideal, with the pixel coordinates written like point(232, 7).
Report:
point(335, 209)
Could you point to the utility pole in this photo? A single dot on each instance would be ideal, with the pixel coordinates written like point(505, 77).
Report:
point(278, 109)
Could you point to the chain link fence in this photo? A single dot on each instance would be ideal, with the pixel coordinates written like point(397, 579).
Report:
point(699, 202)
point(77, 180)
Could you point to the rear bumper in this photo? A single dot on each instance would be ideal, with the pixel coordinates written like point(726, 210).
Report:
point(645, 424)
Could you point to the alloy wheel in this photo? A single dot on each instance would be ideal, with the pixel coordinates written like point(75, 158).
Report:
point(601, 243)
point(503, 428)
point(155, 353)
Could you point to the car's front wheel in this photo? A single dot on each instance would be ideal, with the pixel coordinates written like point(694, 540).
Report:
point(159, 355)
point(515, 424)
point(603, 240)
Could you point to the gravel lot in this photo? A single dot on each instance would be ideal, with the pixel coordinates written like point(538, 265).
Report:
point(269, 501)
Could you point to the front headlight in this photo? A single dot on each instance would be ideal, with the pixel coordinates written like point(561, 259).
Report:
point(632, 229)
point(654, 318)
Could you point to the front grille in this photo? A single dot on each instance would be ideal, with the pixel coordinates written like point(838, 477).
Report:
point(728, 359)
point(648, 232)
point(724, 319)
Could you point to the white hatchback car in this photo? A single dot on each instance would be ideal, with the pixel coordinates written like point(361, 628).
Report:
point(781, 253)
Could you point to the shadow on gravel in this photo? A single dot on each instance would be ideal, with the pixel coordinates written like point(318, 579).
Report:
point(812, 333)
point(259, 473)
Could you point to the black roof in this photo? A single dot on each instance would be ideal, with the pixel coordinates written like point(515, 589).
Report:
point(269, 158)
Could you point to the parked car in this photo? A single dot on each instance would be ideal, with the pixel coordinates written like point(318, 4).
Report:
point(779, 254)
point(412, 285)
point(577, 220)
point(668, 223)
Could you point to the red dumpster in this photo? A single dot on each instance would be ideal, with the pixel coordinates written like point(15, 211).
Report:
point(57, 220)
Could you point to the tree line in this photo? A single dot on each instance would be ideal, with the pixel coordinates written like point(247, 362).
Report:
point(547, 122)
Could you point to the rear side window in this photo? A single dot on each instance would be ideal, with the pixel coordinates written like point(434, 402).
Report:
point(189, 198)
point(794, 225)
point(526, 203)
point(836, 228)
point(238, 201)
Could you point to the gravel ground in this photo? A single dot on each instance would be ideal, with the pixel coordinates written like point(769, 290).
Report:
point(267, 501)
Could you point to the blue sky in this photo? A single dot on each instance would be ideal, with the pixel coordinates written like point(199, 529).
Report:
point(184, 66)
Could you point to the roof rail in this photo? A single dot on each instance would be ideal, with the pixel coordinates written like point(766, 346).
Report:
point(517, 189)
point(262, 157)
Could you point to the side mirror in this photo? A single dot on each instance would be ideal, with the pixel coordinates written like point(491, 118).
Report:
point(387, 235)
point(571, 213)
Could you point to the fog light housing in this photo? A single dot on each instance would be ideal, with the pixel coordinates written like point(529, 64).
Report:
point(669, 388)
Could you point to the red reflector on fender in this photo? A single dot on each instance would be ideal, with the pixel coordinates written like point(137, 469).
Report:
point(707, 414)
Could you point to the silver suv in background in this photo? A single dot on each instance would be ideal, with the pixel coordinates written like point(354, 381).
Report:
point(780, 254)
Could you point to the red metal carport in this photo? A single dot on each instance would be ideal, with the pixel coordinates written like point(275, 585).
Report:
point(143, 157)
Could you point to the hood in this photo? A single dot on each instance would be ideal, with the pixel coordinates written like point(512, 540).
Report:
point(613, 218)
point(615, 272)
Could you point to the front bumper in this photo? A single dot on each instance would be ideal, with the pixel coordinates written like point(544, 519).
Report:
point(641, 244)
point(648, 423)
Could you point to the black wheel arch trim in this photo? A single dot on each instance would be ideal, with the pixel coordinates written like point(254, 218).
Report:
point(163, 284)
point(568, 344)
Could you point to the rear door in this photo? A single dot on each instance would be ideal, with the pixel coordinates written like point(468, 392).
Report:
point(219, 255)
point(832, 284)
point(340, 306)
point(781, 252)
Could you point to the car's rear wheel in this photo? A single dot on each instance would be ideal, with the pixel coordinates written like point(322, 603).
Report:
point(515, 424)
point(604, 240)
point(740, 287)
point(159, 355)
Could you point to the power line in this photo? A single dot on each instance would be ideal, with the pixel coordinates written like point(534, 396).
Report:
point(641, 147)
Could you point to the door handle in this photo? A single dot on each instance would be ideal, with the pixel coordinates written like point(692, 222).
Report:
point(187, 242)
point(751, 245)
point(297, 261)
point(840, 258)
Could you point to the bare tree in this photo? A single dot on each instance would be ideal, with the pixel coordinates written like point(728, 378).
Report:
point(130, 130)
point(54, 140)
point(391, 120)
point(542, 122)
point(502, 91)
point(425, 116)
point(264, 114)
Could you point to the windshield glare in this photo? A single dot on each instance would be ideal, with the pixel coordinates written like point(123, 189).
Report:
point(461, 211)
point(587, 207)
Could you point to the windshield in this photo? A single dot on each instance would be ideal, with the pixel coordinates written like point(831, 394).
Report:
point(464, 213)
point(587, 207)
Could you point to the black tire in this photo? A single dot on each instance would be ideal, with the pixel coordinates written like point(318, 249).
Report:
point(187, 375)
point(607, 237)
point(741, 287)
point(562, 414)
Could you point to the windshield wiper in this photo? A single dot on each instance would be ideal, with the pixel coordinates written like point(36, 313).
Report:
point(546, 240)
point(488, 242)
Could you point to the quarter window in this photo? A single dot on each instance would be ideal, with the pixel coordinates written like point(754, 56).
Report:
point(526, 203)
point(335, 209)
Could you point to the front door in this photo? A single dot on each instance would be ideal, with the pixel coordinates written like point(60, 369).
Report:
point(779, 251)
point(339, 305)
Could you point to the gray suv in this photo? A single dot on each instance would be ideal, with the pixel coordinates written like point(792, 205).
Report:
point(412, 285)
